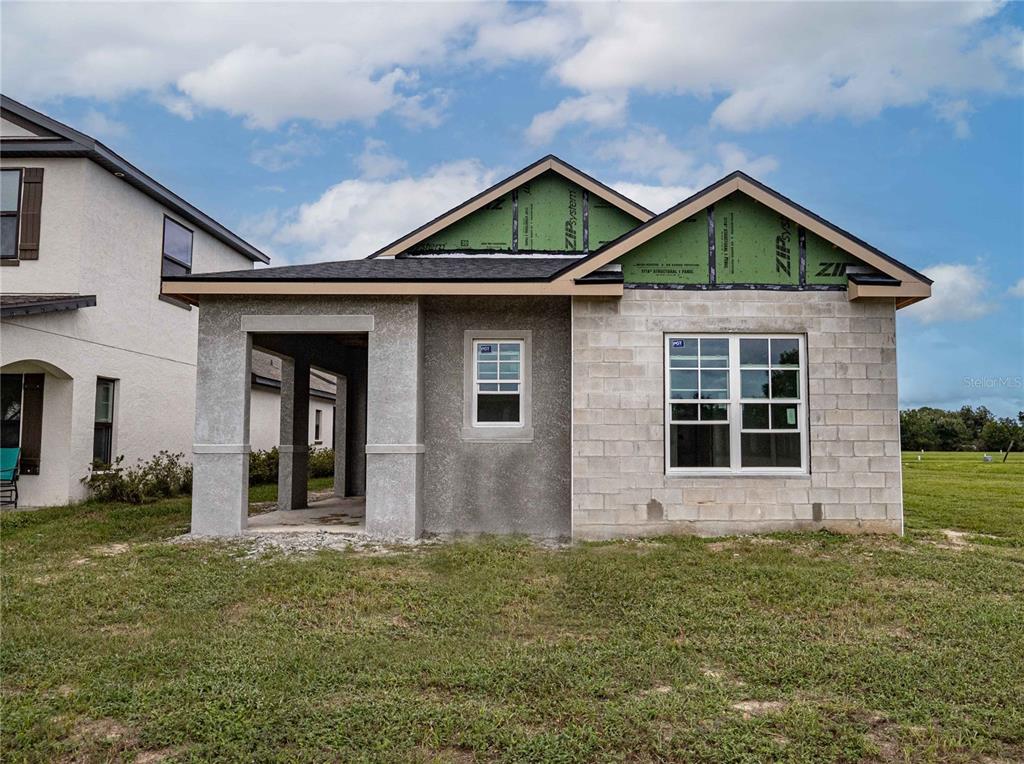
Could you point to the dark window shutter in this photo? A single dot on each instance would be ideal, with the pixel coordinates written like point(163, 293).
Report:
point(31, 424)
point(31, 207)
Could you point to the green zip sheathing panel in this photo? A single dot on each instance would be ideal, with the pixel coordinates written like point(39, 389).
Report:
point(750, 245)
point(487, 229)
point(754, 244)
point(550, 215)
point(826, 263)
point(607, 222)
point(676, 256)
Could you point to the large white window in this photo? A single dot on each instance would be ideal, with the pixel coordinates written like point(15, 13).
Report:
point(497, 383)
point(735, 404)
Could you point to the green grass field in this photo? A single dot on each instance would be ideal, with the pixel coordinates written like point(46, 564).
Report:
point(119, 647)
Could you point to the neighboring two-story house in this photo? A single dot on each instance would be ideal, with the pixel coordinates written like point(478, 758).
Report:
point(96, 361)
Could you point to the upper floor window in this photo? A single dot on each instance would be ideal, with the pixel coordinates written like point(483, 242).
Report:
point(10, 206)
point(177, 249)
point(735, 404)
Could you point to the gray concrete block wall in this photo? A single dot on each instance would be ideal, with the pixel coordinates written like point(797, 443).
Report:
point(474, 486)
point(620, 487)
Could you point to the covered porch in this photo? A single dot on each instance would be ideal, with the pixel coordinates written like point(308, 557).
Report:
point(374, 351)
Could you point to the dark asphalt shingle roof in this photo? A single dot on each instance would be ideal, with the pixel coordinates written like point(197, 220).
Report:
point(514, 268)
point(27, 304)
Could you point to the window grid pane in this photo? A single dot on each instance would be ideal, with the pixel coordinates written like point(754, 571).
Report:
point(766, 426)
point(497, 382)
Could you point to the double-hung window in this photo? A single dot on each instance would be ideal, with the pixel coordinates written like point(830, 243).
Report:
point(735, 404)
point(103, 422)
point(497, 383)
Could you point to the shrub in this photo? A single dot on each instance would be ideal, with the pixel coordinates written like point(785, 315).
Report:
point(321, 462)
point(164, 475)
point(263, 465)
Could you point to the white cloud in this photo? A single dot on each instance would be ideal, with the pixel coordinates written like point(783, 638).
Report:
point(646, 152)
point(288, 153)
point(956, 114)
point(267, 63)
point(99, 125)
point(759, 64)
point(599, 109)
point(780, 63)
point(375, 162)
point(358, 216)
point(654, 198)
point(1017, 290)
point(960, 293)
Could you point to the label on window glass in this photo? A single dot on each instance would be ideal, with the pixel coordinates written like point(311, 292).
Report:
point(790, 416)
point(486, 349)
point(678, 343)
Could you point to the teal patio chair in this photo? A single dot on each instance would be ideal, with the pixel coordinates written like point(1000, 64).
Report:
point(10, 461)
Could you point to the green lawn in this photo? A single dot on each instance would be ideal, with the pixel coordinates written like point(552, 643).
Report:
point(116, 646)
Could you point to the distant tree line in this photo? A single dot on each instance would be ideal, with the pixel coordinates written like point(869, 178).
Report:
point(969, 429)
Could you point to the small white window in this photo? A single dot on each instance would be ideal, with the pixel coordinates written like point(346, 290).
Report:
point(497, 382)
point(318, 416)
point(735, 404)
point(497, 392)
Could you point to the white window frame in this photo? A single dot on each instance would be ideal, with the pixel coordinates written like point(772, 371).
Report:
point(477, 381)
point(318, 415)
point(735, 403)
point(497, 432)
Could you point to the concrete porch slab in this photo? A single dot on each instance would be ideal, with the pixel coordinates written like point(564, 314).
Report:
point(331, 515)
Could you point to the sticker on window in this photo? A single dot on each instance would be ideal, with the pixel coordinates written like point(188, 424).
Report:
point(678, 343)
point(486, 349)
point(790, 416)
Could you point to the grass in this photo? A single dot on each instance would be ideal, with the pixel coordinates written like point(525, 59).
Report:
point(793, 647)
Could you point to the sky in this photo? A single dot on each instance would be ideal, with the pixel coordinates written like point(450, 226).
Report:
point(323, 131)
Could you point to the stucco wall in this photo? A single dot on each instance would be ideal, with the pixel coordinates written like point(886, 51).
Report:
point(100, 236)
point(393, 427)
point(619, 480)
point(496, 487)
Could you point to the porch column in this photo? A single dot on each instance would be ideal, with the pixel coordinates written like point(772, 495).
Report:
point(220, 478)
point(340, 401)
point(293, 464)
point(394, 423)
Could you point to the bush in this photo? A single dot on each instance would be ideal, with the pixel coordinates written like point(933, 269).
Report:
point(263, 465)
point(321, 462)
point(164, 475)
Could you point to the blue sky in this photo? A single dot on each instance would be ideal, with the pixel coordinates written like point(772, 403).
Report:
point(323, 131)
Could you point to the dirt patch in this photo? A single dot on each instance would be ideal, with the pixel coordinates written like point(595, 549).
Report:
point(658, 689)
point(104, 730)
point(256, 545)
point(752, 708)
point(109, 550)
point(151, 757)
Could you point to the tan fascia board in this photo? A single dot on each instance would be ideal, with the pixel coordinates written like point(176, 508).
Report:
point(525, 176)
point(192, 290)
point(906, 294)
point(703, 201)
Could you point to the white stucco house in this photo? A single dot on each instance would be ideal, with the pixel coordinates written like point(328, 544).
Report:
point(96, 362)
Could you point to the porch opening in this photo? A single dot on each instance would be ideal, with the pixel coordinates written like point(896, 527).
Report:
point(343, 358)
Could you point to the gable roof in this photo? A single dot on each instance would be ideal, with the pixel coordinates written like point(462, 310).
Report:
point(914, 284)
point(595, 274)
point(55, 139)
point(544, 164)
